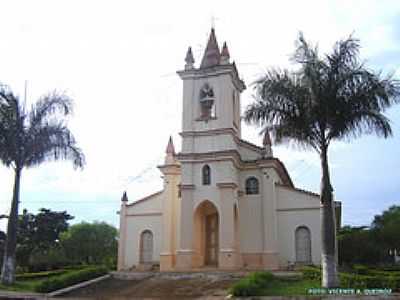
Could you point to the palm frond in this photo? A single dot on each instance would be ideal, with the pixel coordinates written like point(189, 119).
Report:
point(329, 97)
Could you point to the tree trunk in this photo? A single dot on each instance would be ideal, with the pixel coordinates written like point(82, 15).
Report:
point(8, 269)
point(328, 228)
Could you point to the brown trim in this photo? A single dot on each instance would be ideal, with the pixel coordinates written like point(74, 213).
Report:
point(145, 198)
point(187, 186)
point(227, 185)
point(298, 190)
point(208, 132)
point(206, 119)
point(145, 214)
point(297, 209)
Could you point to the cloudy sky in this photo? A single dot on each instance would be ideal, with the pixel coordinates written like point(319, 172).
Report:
point(118, 59)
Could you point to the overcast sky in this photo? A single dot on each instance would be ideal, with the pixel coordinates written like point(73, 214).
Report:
point(118, 59)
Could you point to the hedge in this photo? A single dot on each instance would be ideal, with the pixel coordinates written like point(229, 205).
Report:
point(359, 281)
point(252, 285)
point(68, 279)
point(39, 275)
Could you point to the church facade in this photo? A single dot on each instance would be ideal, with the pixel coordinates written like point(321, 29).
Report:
point(226, 203)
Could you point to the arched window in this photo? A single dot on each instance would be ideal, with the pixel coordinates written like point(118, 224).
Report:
point(303, 245)
point(206, 174)
point(252, 186)
point(146, 247)
point(207, 102)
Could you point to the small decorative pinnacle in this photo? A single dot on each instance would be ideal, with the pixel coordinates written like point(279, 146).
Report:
point(267, 139)
point(124, 197)
point(225, 54)
point(189, 59)
point(170, 147)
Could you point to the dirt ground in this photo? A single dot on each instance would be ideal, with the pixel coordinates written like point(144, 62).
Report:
point(155, 288)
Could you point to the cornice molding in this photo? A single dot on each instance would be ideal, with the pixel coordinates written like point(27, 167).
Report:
point(187, 186)
point(227, 185)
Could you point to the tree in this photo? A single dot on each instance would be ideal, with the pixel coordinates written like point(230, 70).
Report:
point(386, 228)
point(27, 139)
point(358, 246)
point(88, 243)
point(333, 97)
point(39, 233)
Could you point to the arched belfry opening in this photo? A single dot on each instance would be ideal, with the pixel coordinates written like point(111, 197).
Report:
point(207, 102)
point(206, 235)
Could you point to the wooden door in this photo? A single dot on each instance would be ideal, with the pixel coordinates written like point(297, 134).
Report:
point(211, 242)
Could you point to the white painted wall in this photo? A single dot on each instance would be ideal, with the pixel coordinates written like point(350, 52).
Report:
point(136, 222)
point(149, 205)
point(135, 226)
point(296, 208)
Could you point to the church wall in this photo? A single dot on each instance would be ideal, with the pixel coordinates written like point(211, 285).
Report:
point(152, 203)
point(296, 209)
point(135, 226)
point(221, 171)
point(250, 216)
point(290, 198)
point(288, 221)
point(210, 143)
point(145, 214)
point(248, 154)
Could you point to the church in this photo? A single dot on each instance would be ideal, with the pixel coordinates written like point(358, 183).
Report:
point(226, 203)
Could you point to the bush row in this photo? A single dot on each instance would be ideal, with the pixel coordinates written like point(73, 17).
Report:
point(38, 275)
point(70, 278)
point(252, 285)
point(359, 281)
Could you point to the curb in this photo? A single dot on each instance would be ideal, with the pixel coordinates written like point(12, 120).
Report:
point(77, 286)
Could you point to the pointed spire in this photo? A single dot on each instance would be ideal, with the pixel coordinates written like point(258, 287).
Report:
point(211, 55)
point(170, 147)
point(267, 152)
point(225, 55)
point(267, 139)
point(124, 197)
point(189, 59)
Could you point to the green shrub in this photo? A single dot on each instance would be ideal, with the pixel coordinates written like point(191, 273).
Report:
point(360, 270)
point(69, 279)
point(252, 285)
point(46, 260)
point(368, 281)
point(39, 275)
point(312, 273)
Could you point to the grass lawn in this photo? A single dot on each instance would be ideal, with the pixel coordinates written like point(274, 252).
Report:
point(26, 282)
point(21, 285)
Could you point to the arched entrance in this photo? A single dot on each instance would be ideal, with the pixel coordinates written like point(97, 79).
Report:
point(303, 245)
point(146, 247)
point(206, 235)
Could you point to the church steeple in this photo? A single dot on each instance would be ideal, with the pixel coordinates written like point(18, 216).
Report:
point(267, 144)
point(211, 55)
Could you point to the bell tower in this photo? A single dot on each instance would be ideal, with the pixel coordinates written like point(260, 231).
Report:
point(211, 95)
point(210, 134)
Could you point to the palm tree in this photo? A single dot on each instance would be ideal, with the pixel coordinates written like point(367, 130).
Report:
point(333, 97)
point(27, 139)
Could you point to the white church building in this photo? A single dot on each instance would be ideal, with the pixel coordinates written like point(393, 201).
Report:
point(226, 203)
